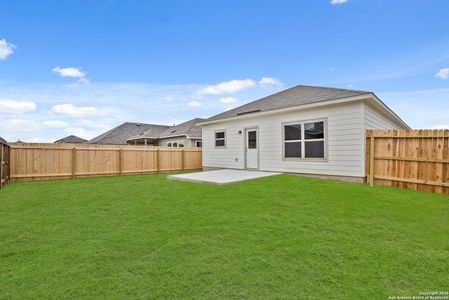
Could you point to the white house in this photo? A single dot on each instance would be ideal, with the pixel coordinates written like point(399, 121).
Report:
point(308, 130)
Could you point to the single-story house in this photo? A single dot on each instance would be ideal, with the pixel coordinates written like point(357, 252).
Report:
point(71, 139)
point(309, 130)
point(186, 134)
point(120, 134)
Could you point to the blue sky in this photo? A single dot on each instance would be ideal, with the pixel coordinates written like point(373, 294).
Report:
point(82, 67)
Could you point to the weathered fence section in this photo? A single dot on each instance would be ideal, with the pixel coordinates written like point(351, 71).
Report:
point(4, 163)
point(58, 161)
point(411, 159)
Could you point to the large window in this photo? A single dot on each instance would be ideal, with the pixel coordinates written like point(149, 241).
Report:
point(220, 139)
point(304, 140)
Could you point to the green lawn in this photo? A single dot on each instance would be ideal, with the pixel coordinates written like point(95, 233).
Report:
point(280, 237)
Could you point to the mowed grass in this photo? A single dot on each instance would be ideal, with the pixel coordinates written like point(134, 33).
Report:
point(280, 237)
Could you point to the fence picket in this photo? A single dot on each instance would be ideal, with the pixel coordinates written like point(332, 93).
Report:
point(412, 159)
point(59, 161)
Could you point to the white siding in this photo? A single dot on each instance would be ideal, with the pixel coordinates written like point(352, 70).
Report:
point(374, 119)
point(344, 142)
point(179, 140)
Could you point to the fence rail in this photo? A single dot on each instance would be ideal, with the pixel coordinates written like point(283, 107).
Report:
point(4, 164)
point(58, 161)
point(411, 159)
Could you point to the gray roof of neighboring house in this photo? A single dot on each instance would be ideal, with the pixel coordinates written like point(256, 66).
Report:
point(71, 139)
point(120, 134)
point(2, 141)
point(188, 128)
point(295, 96)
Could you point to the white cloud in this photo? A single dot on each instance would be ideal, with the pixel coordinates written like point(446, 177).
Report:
point(227, 87)
point(16, 107)
point(228, 100)
point(6, 49)
point(335, 2)
point(23, 124)
point(195, 103)
point(55, 124)
point(268, 81)
point(71, 110)
point(83, 133)
point(420, 109)
point(442, 73)
point(441, 127)
point(39, 140)
point(71, 72)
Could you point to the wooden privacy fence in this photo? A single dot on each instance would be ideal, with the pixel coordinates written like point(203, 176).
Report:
point(411, 159)
point(4, 163)
point(57, 161)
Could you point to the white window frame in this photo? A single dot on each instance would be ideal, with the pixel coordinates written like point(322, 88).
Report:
point(220, 139)
point(303, 140)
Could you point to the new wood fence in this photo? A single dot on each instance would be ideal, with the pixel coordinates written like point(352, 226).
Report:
point(57, 161)
point(4, 163)
point(411, 159)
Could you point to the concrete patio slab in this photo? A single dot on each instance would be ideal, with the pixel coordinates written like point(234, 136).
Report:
point(222, 177)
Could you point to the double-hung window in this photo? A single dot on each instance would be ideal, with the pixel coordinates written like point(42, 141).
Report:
point(304, 139)
point(220, 138)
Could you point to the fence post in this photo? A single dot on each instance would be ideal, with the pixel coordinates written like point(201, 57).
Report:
point(158, 167)
point(1, 167)
point(8, 163)
point(120, 161)
point(182, 159)
point(371, 160)
point(73, 162)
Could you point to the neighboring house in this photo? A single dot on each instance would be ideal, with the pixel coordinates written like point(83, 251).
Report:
point(308, 130)
point(71, 139)
point(120, 134)
point(186, 134)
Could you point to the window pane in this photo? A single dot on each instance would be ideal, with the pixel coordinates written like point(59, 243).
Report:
point(292, 132)
point(175, 144)
point(219, 143)
point(219, 135)
point(199, 144)
point(169, 145)
point(292, 149)
point(252, 140)
point(314, 149)
point(314, 130)
point(181, 145)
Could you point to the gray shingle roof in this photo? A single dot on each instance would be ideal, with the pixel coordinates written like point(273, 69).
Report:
point(120, 134)
point(2, 141)
point(188, 128)
point(295, 96)
point(71, 139)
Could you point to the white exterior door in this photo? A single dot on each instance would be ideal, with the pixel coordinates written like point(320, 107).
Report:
point(252, 149)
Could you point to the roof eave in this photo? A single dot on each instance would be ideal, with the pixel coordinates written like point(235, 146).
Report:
point(179, 135)
point(287, 109)
point(142, 138)
point(362, 97)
